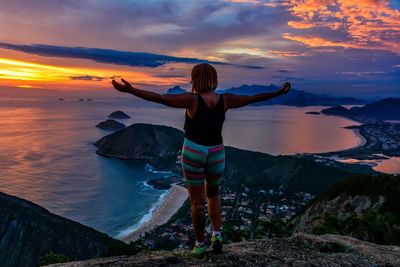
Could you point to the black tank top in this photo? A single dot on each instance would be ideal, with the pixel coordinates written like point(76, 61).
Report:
point(206, 125)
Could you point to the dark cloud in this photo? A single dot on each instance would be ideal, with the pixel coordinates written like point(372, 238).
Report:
point(169, 75)
point(109, 56)
point(87, 78)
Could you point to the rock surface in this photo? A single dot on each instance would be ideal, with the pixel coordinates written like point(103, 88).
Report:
point(28, 232)
point(297, 250)
point(163, 183)
point(118, 115)
point(111, 125)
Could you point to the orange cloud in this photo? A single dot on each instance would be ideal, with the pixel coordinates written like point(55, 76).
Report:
point(318, 41)
point(289, 53)
point(25, 74)
point(370, 24)
point(267, 3)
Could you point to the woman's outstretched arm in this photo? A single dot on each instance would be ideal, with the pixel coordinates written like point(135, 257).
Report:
point(184, 100)
point(237, 101)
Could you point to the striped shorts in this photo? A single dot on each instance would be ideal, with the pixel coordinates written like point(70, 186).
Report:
point(201, 163)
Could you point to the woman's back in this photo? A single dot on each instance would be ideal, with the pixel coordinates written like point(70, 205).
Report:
point(205, 126)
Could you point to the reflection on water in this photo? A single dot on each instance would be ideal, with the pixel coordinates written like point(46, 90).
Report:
point(47, 153)
point(390, 165)
point(47, 156)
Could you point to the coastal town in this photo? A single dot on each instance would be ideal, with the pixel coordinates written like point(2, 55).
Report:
point(247, 213)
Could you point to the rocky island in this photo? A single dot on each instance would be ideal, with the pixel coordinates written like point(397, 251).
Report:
point(156, 144)
point(111, 125)
point(312, 112)
point(118, 115)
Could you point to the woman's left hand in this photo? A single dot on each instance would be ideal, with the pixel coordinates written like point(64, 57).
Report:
point(285, 88)
point(126, 87)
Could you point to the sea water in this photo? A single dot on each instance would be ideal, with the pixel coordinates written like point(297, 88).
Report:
point(47, 154)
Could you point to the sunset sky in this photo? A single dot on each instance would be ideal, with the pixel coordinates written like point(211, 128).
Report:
point(338, 47)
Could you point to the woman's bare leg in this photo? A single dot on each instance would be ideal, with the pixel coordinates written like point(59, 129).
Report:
point(198, 200)
point(214, 206)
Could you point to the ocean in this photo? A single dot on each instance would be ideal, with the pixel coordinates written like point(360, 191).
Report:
point(47, 154)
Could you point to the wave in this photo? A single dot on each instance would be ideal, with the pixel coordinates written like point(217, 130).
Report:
point(146, 218)
point(152, 169)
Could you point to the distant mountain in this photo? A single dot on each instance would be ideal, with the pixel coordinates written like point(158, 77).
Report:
point(293, 98)
point(176, 90)
point(29, 235)
point(385, 109)
point(365, 207)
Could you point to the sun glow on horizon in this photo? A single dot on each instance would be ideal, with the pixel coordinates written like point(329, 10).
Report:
point(13, 72)
point(11, 69)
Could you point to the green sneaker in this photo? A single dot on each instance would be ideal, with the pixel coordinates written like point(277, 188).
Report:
point(216, 244)
point(199, 251)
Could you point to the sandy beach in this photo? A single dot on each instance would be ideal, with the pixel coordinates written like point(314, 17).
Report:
point(173, 201)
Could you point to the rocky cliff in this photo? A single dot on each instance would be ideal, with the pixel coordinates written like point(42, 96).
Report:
point(297, 250)
point(29, 234)
point(365, 207)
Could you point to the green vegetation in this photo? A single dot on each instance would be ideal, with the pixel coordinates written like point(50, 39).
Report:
point(258, 170)
point(365, 185)
point(52, 257)
point(377, 225)
point(276, 228)
point(372, 226)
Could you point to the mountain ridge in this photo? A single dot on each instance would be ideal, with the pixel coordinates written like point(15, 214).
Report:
point(30, 233)
point(294, 98)
point(384, 109)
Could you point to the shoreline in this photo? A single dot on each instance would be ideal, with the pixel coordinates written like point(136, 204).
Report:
point(363, 139)
point(170, 204)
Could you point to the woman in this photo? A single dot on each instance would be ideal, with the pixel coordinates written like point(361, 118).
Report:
point(203, 153)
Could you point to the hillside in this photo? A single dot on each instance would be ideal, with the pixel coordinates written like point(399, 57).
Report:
point(29, 234)
point(385, 109)
point(160, 146)
point(365, 207)
point(297, 250)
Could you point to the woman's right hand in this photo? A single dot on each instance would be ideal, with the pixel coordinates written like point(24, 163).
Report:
point(126, 87)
